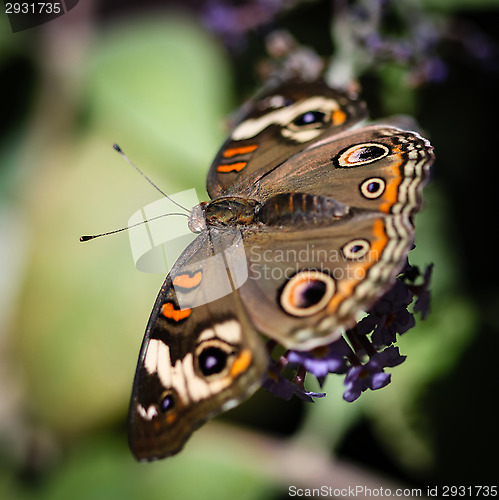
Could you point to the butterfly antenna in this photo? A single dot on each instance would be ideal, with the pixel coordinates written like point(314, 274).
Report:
point(92, 237)
point(122, 153)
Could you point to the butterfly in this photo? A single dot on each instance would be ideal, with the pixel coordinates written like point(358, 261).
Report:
point(310, 221)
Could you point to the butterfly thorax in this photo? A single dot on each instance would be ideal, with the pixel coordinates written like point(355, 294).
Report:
point(222, 212)
point(280, 210)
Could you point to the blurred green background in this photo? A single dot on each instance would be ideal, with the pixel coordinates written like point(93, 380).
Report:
point(157, 81)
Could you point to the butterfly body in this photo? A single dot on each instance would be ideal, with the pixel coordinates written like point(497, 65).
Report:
point(310, 222)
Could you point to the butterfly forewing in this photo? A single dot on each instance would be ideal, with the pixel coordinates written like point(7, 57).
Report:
point(375, 168)
point(279, 123)
point(200, 355)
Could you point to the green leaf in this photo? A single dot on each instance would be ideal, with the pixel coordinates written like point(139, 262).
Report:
point(157, 87)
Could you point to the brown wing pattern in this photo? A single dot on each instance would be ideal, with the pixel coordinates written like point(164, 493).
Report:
point(278, 124)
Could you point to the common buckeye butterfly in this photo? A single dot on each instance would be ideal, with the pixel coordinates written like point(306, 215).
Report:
point(297, 173)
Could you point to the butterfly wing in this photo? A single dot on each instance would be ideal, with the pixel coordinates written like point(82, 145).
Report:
point(274, 126)
point(306, 285)
point(336, 230)
point(373, 168)
point(200, 354)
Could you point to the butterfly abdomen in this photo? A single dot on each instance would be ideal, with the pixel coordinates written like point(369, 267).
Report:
point(301, 208)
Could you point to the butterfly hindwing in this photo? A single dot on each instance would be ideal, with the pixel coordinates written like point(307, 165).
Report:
point(195, 362)
point(306, 284)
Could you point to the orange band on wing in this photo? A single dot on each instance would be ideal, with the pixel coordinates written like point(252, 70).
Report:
point(233, 167)
point(241, 150)
point(241, 363)
point(170, 312)
point(346, 287)
point(391, 191)
point(187, 281)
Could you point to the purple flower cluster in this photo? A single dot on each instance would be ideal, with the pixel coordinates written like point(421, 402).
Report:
point(371, 375)
point(416, 44)
point(279, 385)
point(399, 31)
point(364, 351)
point(232, 21)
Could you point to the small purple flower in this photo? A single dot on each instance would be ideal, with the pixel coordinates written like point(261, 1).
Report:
point(323, 360)
point(233, 21)
point(435, 70)
point(367, 324)
point(371, 375)
point(280, 386)
point(397, 322)
point(390, 315)
point(398, 296)
point(373, 42)
point(401, 51)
